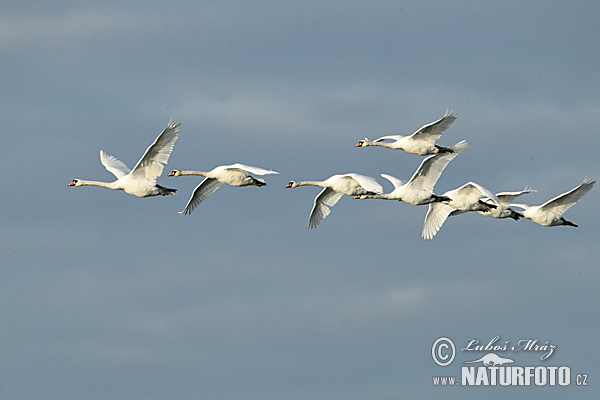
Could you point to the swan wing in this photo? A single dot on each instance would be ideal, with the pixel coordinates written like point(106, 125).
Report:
point(475, 190)
point(151, 165)
point(114, 165)
point(395, 181)
point(506, 198)
point(435, 218)
point(367, 182)
point(434, 130)
point(562, 203)
point(252, 170)
point(207, 187)
point(327, 198)
point(431, 168)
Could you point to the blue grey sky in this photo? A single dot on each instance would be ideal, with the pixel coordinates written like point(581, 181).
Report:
point(109, 296)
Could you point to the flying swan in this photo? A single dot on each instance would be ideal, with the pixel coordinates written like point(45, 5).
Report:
point(419, 189)
point(465, 198)
point(422, 142)
point(550, 213)
point(233, 175)
point(141, 180)
point(334, 188)
point(502, 209)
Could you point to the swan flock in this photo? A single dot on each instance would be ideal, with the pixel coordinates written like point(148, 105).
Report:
point(141, 182)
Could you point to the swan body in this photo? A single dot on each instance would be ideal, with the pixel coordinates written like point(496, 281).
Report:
point(550, 213)
point(465, 198)
point(141, 180)
point(502, 209)
point(422, 142)
point(334, 188)
point(233, 175)
point(419, 189)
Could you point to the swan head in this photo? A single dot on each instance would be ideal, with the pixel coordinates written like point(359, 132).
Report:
point(175, 172)
point(292, 184)
point(76, 182)
point(362, 143)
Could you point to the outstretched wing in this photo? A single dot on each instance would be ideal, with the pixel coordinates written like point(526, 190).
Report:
point(507, 197)
point(114, 165)
point(432, 167)
point(151, 165)
point(395, 181)
point(434, 130)
point(252, 170)
point(367, 182)
point(327, 198)
point(201, 193)
point(562, 203)
point(435, 218)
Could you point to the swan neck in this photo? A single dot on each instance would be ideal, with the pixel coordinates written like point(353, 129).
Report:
point(109, 185)
point(310, 183)
point(197, 173)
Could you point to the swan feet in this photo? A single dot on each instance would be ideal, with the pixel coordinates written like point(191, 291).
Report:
point(166, 191)
point(443, 149)
point(439, 199)
point(568, 223)
point(487, 205)
point(258, 182)
point(516, 215)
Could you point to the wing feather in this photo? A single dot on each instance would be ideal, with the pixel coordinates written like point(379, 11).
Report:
point(207, 187)
point(434, 130)
point(114, 165)
point(435, 218)
point(251, 169)
point(563, 202)
point(367, 182)
point(327, 198)
point(430, 170)
point(151, 165)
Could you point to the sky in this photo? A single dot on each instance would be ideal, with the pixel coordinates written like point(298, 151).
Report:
point(108, 296)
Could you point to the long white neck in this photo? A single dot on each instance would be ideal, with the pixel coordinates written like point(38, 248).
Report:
point(310, 183)
point(109, 185)
point(381, 144)
point(385, 196)
point(198, 173)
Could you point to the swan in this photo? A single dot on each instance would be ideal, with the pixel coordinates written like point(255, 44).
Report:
point(233, 175)
point(465, 198)
point(141, 180)
point(502, 209)
point(334, 188)
point(422, 142)
point(550, 213)
point(419, 189)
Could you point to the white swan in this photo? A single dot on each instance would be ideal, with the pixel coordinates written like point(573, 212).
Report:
point(419, 189)
point(141, 180)
point(422, 142)
point(234, 175)
point(550, 213)
point(465, 198)
point(334, 188)
point(502, 209)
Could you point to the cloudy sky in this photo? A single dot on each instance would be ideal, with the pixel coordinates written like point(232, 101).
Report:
point(109, 296)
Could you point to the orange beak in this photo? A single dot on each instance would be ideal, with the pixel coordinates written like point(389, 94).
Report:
point(171, 174)
point(72, 183)
point(289, 185)
point(359, 144)
point(357, 196)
